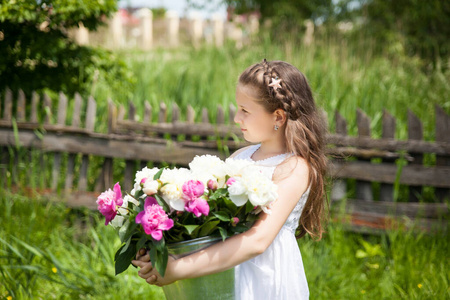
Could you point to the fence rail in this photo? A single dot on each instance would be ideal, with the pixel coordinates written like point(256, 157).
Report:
point(366, 172)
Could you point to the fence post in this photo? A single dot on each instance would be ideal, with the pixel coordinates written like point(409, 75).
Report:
point(253, 24)
point(339, 188)
point(71, 159)
point(146, 17)
point(442, 135)
point(220, 118)
point(205, 117)
point(21, 107)
point(235, 33)
point(218, 27)
point(309, 33)
point(5, 155)
point(196, 29)
point(7, 109)
point(61, 119)
point(89, 125)
point(82, 35)
point(34, 107)
point(173, 26)
point(117, 31)
point(387, 190)
point(363, 188)
point(415, 132)
point(129, 164)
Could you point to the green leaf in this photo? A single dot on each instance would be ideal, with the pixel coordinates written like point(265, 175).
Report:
point(208, 228)
point(161, 202)
point(30, 248)
point(125, 247)
point(16, 133)
point(158, 175)
point(249, 207)
point(160, 245)
point(190, 228)
point(141, 243)
point(127, 230)
point(123, 260)
point(222, 216)
point(239, 228)
point(223, 233)
point(219, 193)
point(161, 261)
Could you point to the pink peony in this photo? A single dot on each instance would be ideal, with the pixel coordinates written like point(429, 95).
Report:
point(193, 189)
point(212, 184)
point(197, 206)
point(230, 181)
point(108, 202)
point(234, 221)
point(154, 219)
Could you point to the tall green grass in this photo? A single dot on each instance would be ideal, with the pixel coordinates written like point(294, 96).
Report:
point(50, 251)
point(344, 75)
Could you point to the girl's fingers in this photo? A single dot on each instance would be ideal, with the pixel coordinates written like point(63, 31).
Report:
point(142, 252)
point(145, 271)
point(145, 258)
point(138, 263)
point(152, 279)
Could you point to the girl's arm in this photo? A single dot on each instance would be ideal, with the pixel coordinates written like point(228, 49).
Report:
point(239, 248)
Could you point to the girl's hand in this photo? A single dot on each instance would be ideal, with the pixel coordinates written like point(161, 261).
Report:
point(152, 276)
point(143, 255)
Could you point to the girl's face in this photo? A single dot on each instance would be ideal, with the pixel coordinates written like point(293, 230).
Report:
point(255, 122)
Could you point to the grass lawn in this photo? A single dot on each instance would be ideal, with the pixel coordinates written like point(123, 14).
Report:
point(50, 251)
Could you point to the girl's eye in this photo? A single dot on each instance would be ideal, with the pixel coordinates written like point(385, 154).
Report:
point(244, 111)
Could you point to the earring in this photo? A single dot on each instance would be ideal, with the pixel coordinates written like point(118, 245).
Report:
point(275, 127)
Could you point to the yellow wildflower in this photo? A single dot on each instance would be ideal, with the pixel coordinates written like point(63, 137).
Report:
point(54, 270)
point(363, 291)
point(419, 285)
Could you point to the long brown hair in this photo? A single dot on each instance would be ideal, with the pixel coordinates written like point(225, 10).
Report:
point(304, 133)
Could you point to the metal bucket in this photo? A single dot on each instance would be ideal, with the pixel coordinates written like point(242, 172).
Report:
point(216, 286)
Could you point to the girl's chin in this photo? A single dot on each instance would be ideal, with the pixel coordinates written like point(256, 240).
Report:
point(251, 140)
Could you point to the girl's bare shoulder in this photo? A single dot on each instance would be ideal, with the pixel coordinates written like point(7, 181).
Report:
point(294, 166)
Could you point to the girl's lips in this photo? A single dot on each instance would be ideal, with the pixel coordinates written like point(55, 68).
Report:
point(242, 129)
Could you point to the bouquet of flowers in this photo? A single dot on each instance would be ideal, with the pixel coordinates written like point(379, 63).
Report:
point(210, 198)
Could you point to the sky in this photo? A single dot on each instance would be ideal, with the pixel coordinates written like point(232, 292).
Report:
point(180, 6)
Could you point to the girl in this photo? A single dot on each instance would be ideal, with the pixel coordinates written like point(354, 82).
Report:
point(276, 110)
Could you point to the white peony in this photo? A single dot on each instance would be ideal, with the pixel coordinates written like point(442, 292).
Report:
point(150, 187)
point(238, 192)
point(123, 211)
point(234, 167)
point(117, 222)
point(128, 199)
point(261, 190)
point(207, 167)
point(144, 173)
point(173, 196)
point(172, 190)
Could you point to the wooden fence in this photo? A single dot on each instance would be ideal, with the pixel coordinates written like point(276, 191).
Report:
point(366, 173)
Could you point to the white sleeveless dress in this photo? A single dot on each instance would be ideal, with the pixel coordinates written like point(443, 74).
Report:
point(278, 273)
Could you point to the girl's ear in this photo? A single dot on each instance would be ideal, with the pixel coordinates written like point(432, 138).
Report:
point(280, 116)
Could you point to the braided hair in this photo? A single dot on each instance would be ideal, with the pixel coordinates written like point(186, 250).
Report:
point(304, 133)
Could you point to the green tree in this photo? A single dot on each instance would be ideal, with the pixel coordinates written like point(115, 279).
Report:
point(423, 26)
point(36, 52)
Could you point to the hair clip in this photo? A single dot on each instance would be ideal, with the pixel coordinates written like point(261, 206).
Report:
point(275, 83)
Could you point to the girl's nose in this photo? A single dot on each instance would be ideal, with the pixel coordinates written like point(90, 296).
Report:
point(237, 117)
